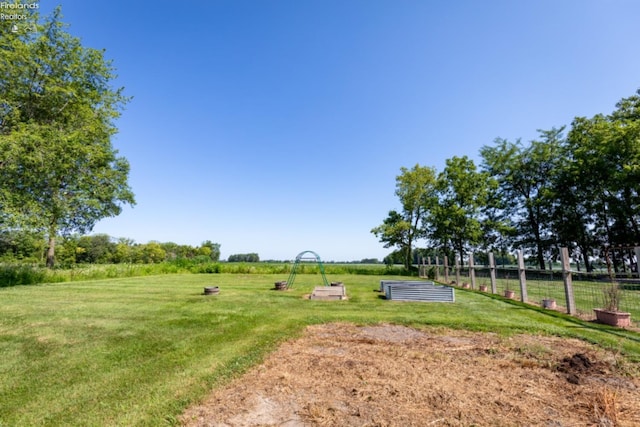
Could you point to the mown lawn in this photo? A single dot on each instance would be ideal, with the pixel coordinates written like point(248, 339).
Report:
point(137, 351)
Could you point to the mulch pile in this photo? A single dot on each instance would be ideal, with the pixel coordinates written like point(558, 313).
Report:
point(390, 375)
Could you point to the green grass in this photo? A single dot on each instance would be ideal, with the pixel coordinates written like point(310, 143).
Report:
point(137, 351)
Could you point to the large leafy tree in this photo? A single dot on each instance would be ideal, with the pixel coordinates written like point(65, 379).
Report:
point(416, 189)
point(455, 221)
point(59, 172)
point(524, 176)
point(600, 181)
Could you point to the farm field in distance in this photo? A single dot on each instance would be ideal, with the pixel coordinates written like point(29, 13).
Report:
point(140, 351)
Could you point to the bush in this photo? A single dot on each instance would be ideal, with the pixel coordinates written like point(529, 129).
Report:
point(21, 274)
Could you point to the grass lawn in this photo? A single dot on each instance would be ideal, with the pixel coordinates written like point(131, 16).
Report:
point(138, 351)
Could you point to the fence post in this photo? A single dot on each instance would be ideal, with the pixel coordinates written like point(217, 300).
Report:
point(457, 271)
point(446, 269)
point(636, 250)
point(522, 276)
point(566, 278)
point(492, 273)
point(437, 268)
point(472, 271)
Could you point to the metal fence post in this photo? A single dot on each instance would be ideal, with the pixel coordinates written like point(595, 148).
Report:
point(492, 273)
point(522, 276)
point(568, 284)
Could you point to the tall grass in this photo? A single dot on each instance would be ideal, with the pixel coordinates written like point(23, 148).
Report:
point(30, 274)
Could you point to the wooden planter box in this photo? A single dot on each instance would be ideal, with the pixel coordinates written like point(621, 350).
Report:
point(613, 318)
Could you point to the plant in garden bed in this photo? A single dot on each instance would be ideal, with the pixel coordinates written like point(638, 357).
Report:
point(610, 313)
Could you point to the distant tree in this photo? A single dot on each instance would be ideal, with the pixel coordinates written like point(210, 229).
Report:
point(58, 170)
point(214, 250)
point(252, 257)
point(21, 245)
point(395, 257)
point(124, 251)
point(151, 253)
point(97, 249)
point(416, 189)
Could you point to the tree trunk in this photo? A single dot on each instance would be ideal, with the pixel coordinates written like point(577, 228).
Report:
point(536, 234)
point(585, 258)
point(51, 250)
point(407, 257)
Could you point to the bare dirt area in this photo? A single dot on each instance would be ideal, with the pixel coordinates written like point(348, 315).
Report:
point(389, 375)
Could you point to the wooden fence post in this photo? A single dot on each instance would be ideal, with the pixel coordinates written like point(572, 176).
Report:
point(568, 284)
point(437, 268)
point(457, 271)
point(472, 271)
point(522, 276)
point(636, 250)
point(492, 273)
point(446, 269)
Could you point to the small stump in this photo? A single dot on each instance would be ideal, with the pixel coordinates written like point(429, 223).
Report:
point(211, 290)
point(281, 286)
point(510, 294)
point(483, 288)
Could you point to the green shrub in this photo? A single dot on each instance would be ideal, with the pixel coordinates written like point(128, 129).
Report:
point(20, 274)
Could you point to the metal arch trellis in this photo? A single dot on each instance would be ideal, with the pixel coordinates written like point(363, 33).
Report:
point(301, 257)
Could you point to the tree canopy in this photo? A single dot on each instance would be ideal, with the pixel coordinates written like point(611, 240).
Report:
point(581, 191)
point(59, 172)
point(416, 189)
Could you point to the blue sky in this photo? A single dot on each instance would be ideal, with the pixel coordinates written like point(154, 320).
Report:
point(276, 126)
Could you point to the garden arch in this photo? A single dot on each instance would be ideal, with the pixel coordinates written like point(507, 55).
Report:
point(304, 256)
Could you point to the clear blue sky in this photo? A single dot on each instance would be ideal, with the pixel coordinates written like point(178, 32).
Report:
point(276, 126)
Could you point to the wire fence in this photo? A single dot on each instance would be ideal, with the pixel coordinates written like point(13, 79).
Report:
point(567, 290)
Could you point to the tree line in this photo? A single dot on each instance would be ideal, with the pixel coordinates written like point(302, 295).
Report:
point(577, 187)
point(30, 247)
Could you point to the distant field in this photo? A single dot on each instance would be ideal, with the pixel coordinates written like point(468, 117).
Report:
point(138, 351)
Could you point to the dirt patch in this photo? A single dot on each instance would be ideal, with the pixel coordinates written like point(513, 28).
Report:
point(390, 375)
